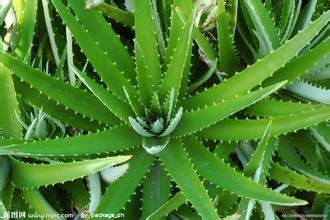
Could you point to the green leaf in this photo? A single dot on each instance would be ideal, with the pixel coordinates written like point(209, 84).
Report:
point(176, 76)
point(5, 169)
point(154, 145)
point(308, 148)
point(284, 175)
point(120, 191)
point(118, 107)
point(21, 204)
point(26, 25)
point(320, 200)
point(174, 156)
point(165, 14)
point(114, 139)
point(289, 31)
point(155, 104)
point(134, 102)
point(4, 177)
point(262, 157)
point(290, 156)
point(321, 133)
point(160, 32)
point(7, 196)
point(290, 17)
point(261, 26)
point(25, 175)
point(305, 17)
point(102, 33)
point(78, 193)
point(60, 67)
point(168, 106)
point(204, 45)
point(206, 76)
point(318, 73)
point(227, 56)
point(209, 166)
point(38, 202)
point(232, 15)
point(59, 91)
point(258, 167)
point(132, 208)
point(176, 26)
point(54, 109)
point(281, 125)
point(322, 35)
point(228, 203)
point(186, 212)
point(260, 70)
point(51, 36)
point(156, 190)
point(263, 23)
point(95, 54)
point(271, 107)
point(196, 120)
point(320, 8)
point(9, 124)
point(147, 57)
point(245, 28)
point(174, 203)
point(9, 141)
point(224, 149)
point(310, 92)
point(286, 9)
point(117, 14)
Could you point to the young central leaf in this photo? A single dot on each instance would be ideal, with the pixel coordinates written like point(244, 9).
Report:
point(157, 124)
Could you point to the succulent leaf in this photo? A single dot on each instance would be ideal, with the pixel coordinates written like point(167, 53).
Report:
point(310, 92)
point(139, 128)
point(147, 57)
point(38, 202)
point(173, 123)
point(322, 133)
point(96, 55)
point(227, 56)
point(100, 142)
point(111, 174)
point(280, 125)
point(54, 109)
point(94, 186)
point(9, 125)
point(176, 77)
point(116, 194)
point(26, 22)
point(34, 175)
point(231, 180)
point(260, 70)
point(287, 152)
point(154, 145)
point(174, 156)
point(122, 16)
point(174, 203)
point(114, 104)
point(65, 94)
point(292, 178)
point(197, 120)
point(156, 190)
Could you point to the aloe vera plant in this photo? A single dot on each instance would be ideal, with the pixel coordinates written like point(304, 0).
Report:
point(160, 109)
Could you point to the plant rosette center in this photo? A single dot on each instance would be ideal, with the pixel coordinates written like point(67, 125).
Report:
point(159, 121)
